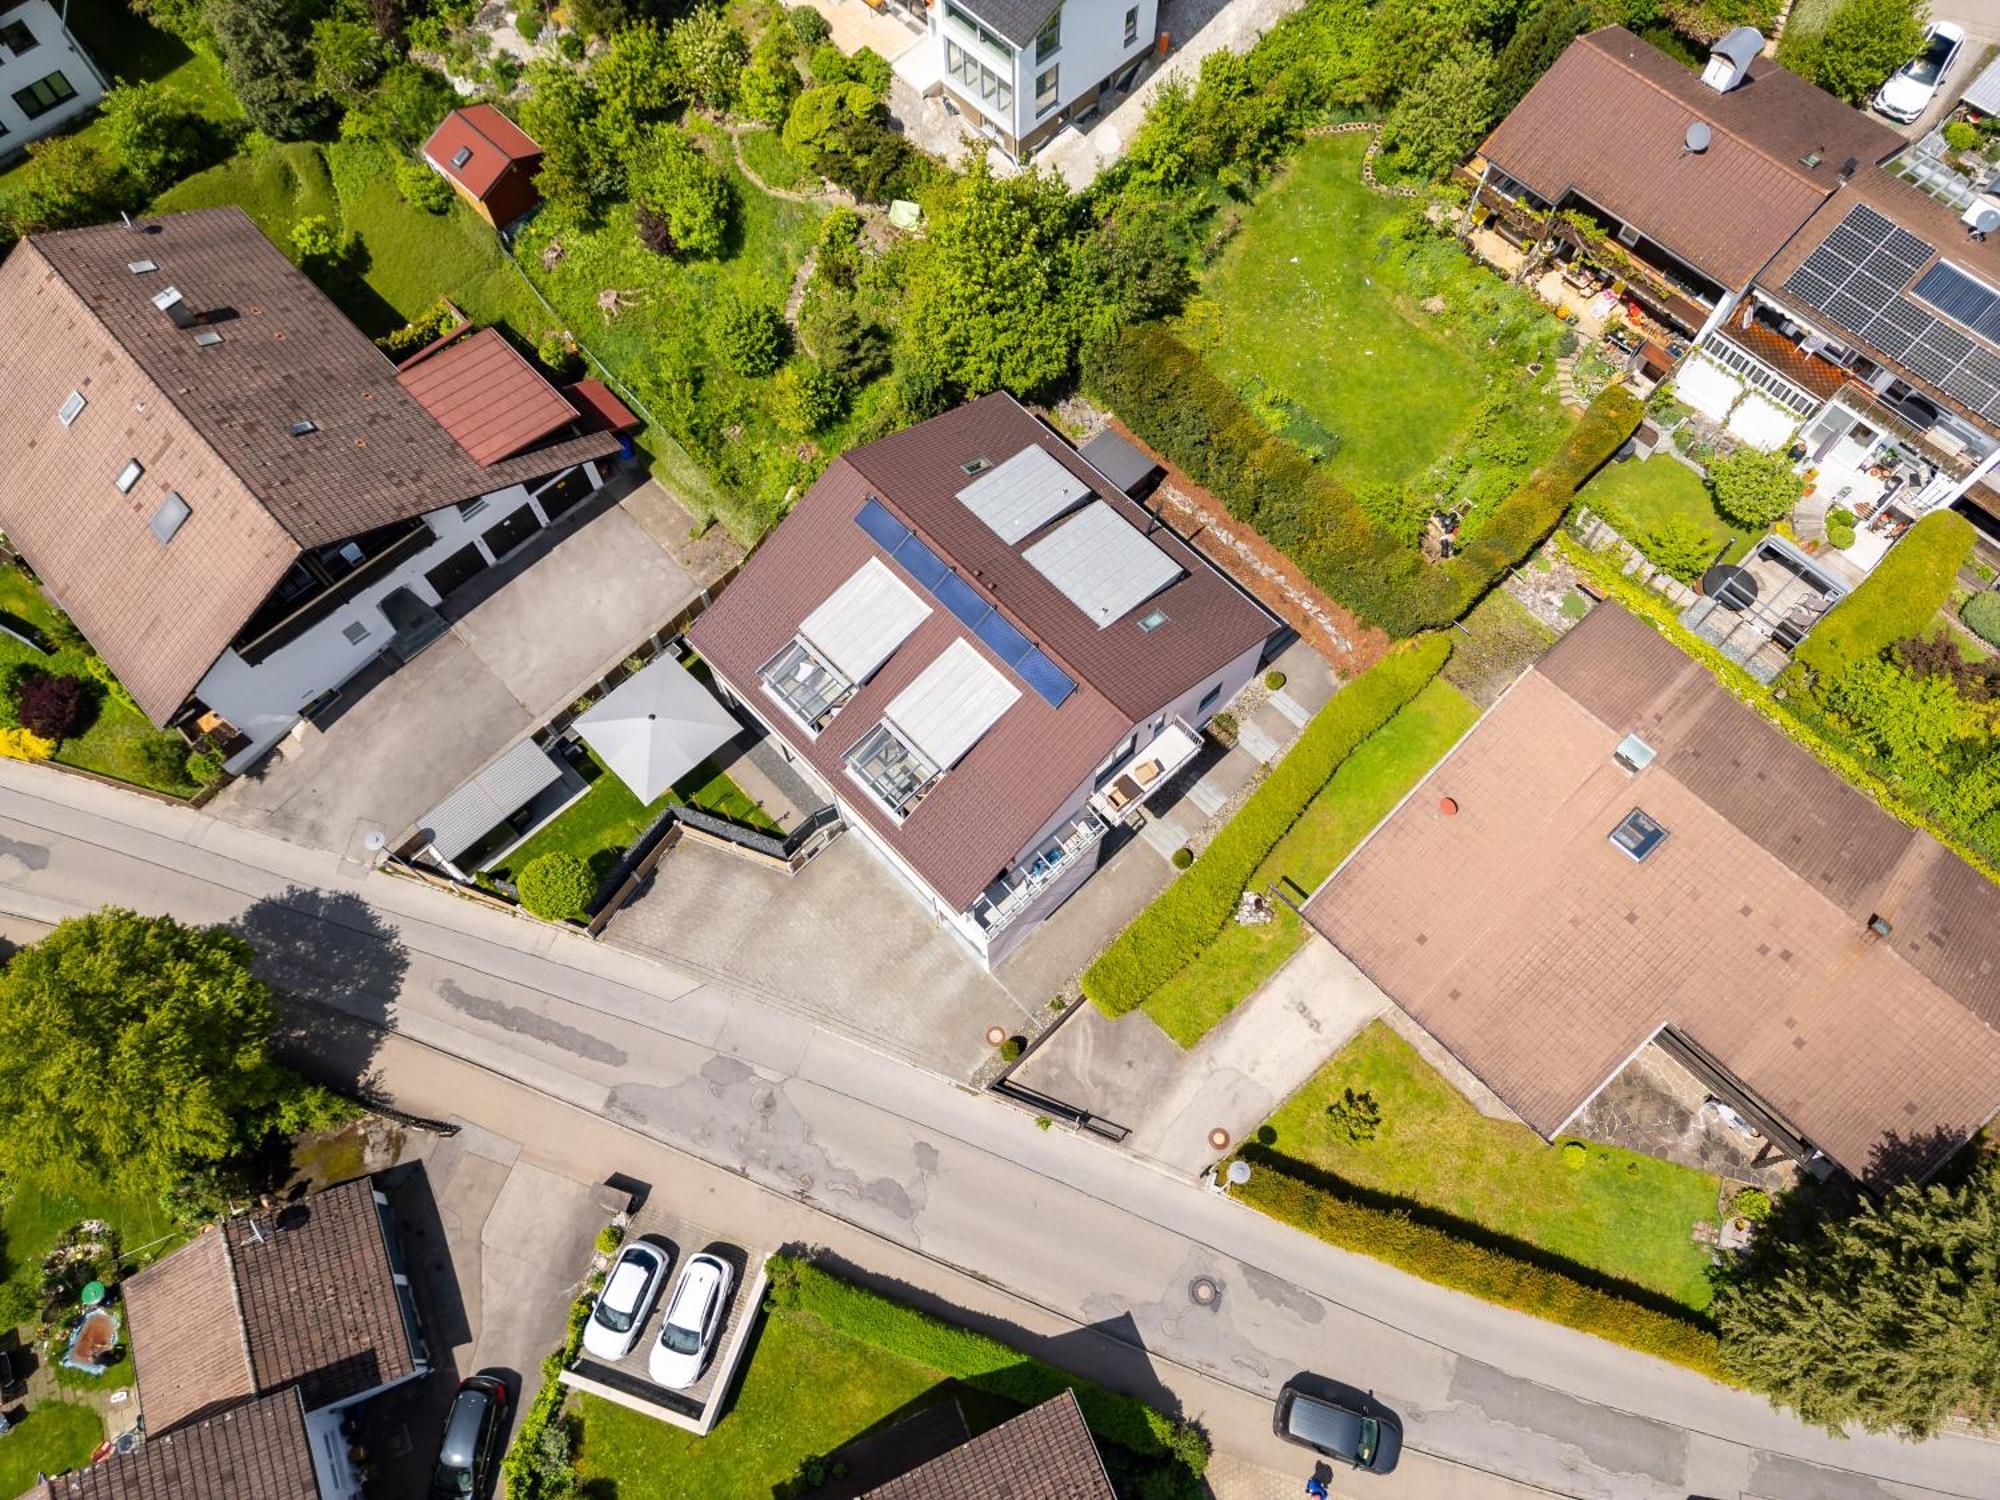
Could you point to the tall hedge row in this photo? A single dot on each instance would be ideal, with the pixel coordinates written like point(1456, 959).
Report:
point(1185, 918)
point(1491, 1274)
point(1898, 600)
point(1167, 394)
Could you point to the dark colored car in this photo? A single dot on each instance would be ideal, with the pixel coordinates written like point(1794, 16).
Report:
point(470, 1451)
point(1336, 1431)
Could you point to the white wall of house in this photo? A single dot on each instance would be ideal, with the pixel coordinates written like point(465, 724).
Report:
point(263, 700)
point(1091, 45)
point(46, 78)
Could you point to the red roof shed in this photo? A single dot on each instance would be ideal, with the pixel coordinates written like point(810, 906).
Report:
point(489, 159)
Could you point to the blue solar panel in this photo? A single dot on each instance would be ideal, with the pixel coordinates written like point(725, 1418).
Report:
point(923, 564)
point(962, 599)
point(1046, 678)
point(874, 518)
point(1008, 643)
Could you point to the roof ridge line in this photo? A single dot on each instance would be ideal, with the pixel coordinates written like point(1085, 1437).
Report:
point(236, 1300)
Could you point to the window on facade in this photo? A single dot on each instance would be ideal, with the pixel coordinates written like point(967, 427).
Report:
point(972, 25)
point(894, 770)
point(43, 95)
point(977, 81)
point(1045, 91)
point(1049, 38)
point(1208, 699)
point(16, 37)
point(1131, 25)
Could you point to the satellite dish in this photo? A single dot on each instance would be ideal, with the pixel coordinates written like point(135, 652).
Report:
point(1698, 137)
point(1982, 216)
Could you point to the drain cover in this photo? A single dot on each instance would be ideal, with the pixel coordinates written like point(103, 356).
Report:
point(1205, 1291)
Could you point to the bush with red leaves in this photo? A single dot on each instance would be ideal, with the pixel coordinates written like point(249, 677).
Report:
point(51, 706)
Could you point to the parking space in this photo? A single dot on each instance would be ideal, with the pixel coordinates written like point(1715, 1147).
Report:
point(629, 1381)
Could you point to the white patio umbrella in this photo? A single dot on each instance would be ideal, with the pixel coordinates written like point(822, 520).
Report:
point(656, 726)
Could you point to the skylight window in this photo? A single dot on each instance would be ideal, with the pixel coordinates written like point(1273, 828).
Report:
point(461, 156)
point(168, 517)
point(973, 466)
point(72, 408)
point(1639, 834)
point(1633, 753)
point(208, 338)
point(302, 427)
point(141, 267)
point(129, 476)
point(1152, 620)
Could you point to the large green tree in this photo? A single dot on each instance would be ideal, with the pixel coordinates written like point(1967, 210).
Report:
point(578, 170)
point(1752, 488)
point(1862, 43)
point(140, 1049)
point(1887, 1318)
point(263, 49)
point(1440, 117)
point(682, 201)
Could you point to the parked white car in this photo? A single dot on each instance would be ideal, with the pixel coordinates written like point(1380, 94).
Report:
point(692, 1324)
point(628, 1297)
point(1910, 89)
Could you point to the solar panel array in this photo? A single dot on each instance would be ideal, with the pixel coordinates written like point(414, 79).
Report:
point(1050, 681)
point(1856, 277)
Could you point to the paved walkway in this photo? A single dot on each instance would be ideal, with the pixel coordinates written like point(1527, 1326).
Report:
point(577, 1047)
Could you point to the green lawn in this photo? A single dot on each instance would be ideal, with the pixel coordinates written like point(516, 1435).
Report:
point(109, 745)
point(765, 154)
point(54, 1436)
point(277, 187)
point(606, 820)
point(39, 1207)
point(1622, 1215)
point(806, 1391)
point(1638, 496)
point(1360, 794)
point(1308, 306)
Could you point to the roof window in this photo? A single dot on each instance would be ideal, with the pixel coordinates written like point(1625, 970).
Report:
point(1639, 834)
point(129, 476)
point(1633, 753)
point(141, 267)
point(208, 338)
point(72, 408)
point(168, 517)
point(1152, 620)
point(303, 427)
point(461, 156)
point(973, 466)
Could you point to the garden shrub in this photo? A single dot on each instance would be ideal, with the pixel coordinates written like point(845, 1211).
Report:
point(163, 757)
point(557, 887)
point(1425, 1250)
point(1960, 136)
point(52, 707)
point(1840, 527)
point(1183, 857)
point(1173, 931)
point(422, 188)
point(1012, 1048)
point(983, 1363)
point(15, 679)
point(1899, 599)
point(1981, 615)
point(1750, 1203)
point(808, 26)
point(1754, 489)
point(25, 744)
point(1576, 1155)
point(1679, 545)
point(748, 335)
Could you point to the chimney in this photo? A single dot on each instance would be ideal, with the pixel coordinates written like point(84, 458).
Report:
point(1730, 58)
point(175, 306)
point(1879, 927)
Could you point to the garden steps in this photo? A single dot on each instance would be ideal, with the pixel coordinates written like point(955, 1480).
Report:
point(1809, 518)
point(1566, 383)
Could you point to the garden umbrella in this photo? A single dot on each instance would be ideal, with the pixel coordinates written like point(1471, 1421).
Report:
point(656, 726)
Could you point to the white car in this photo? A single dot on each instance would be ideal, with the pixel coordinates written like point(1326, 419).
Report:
point(1910, 89)
point(628, 1296)
point(692, 1324)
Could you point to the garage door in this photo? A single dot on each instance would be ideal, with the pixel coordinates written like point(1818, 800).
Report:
point(510, 533)
point(457, 570)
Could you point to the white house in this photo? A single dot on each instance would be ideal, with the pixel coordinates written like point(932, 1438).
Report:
point(1022, 69)
point(46, 78)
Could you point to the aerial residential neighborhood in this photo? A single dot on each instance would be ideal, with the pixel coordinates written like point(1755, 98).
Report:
point(1051, 748)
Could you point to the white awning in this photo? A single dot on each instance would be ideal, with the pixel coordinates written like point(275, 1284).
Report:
point(1707, 387)
point(864, 620)
point(953, 702)
point(1024, 494)
point(1104, 564)
point(1762, 423)
point(656, 726)
point(489, 799)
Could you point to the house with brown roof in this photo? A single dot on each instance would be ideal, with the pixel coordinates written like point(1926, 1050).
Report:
point(259, 1450)
point(240, 500)
point(489, 161)
point(1622, 859)
point(310, 1299)
point(1046, 1453)
point(987, 653)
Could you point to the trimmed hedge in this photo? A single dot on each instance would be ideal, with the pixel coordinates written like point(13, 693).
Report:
point(983, 1363)
point(1171, 933)
point(1167, 394)
point(1898, 600)
point(1492, 1275)
point(1981, 615)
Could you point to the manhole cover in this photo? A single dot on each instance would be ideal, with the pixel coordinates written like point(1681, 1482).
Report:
point(1205, 1291)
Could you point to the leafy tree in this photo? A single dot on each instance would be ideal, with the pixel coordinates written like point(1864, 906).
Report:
point(638, 83)
point(313, 237)
point(1706, 20)
point(1862, 43)
point(1439, 117)
point(807, 398)
point(709, 52)
point(837, 249)
point(139, 1049)
point(841, 339)
point(1752, 488)
point(808, 27)
point(1887, 1317)
point(68, 180)
point(52, 706)
point(842, 132)
point(828, 64)
point(1137, 264)
point(402, 109)
point(185, 19)
point(601, 18)
point(748, 335)
point(560, 112)
point(1534, 47)
point(1412, 36)
point(421, 187)
point(152, 134)
point(557, 887)
point(347, 56)
point(991, 293)
point(767, 87)
point(270, 71)
point(1679, 545)
point(678, 187)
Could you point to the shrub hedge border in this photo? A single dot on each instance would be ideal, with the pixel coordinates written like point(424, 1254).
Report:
point(1898, 600)
point(1185, 918)
point(1492, 1275)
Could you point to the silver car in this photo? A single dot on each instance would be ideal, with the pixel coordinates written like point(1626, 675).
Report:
point(626, 1301)
point(692, 1324)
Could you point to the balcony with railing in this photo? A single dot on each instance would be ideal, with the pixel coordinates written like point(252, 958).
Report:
point(1057, 856)
point(1128, 787)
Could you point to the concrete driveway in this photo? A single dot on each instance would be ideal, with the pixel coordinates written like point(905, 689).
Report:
point(526, 638)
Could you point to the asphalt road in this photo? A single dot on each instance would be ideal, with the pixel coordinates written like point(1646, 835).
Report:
point(918, 1163)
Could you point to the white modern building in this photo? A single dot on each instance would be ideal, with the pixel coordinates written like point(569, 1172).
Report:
point(46, 78)
point(1022, 69)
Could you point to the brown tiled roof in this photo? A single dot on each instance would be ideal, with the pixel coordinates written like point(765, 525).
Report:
point(208, 423)
point(256, 1451)
point(1609, 122)
point(495, 142)
point(1543, 956)
point(299, 1296)
point(1046, 1453)
point(599, 408)
point(986, 809)
point(483, 392)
